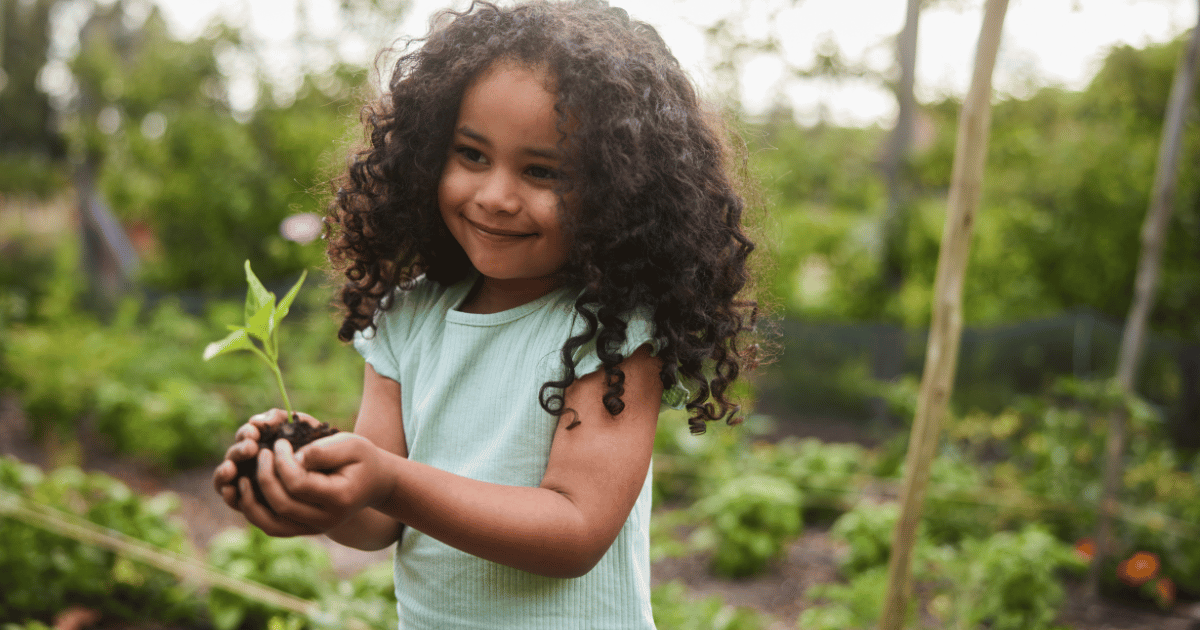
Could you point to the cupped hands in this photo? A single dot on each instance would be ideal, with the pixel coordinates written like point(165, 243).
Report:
point(309, 491)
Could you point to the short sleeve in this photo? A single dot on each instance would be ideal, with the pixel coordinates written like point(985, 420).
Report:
point(638, 332)
point(381, 346)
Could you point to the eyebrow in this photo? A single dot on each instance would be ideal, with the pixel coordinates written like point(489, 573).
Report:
point(549, 154)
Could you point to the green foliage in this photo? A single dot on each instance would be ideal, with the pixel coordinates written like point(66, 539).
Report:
point(1012, 580)
point(297, 566)
point(1067, 188)
point(853, 606)
point(129, 377)
point(30, 174)
point(1050, 451)
point(136, 381)
point(685, 464)
point(46, 572)
point(867, 532)
point(211, 183)
point(25, 278)
point(747, 521)
point(827, 473)
point(368, 597)
point(674, 610)
point(955, 504)
point(28, 128)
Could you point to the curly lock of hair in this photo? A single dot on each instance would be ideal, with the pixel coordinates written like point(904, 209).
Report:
point(656, 217)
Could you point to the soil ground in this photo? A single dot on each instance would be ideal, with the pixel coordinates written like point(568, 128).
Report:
point(811, 559)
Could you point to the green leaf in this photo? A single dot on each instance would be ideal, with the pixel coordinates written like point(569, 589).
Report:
point(285, 304)
point(257, 295)
point(237, 340)
point(261, 323)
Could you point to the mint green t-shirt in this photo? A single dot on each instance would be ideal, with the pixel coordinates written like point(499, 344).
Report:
point(469, 391)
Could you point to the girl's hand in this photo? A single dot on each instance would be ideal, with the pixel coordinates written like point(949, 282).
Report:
point(318, 488)
point(245, 446)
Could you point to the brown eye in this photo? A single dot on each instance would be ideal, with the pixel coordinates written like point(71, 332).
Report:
point(471, 155)
point(543, 172)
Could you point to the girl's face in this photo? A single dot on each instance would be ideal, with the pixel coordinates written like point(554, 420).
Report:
point(497, 189)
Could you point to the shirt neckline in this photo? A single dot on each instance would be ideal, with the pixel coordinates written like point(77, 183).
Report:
point(463, 289)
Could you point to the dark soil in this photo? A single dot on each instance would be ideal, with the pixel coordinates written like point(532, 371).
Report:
point(295, 431)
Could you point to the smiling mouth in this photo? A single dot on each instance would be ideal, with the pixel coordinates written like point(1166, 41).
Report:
point(498, 232)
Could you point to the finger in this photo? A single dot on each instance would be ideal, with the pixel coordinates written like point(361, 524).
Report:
point(223, 474)
point(268, 418)
point(291, 474)
point(266, 520)
point(307, 418)
point(229, 494)
point(332, 452)
point(242, 449)
point(284, 503)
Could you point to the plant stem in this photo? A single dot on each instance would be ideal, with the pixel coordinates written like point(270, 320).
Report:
point(278, 379)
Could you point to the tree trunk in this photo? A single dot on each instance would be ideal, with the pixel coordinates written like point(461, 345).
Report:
point(888, 357)
point(946, 329)
point(1133, 340)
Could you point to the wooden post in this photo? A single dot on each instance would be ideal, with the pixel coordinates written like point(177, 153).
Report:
point(946, 329)
point(1133, 339)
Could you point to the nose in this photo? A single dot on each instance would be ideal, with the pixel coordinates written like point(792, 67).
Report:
point(498, 192)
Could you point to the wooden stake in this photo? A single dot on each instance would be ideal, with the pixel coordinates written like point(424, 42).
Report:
point(941, 354)
point(1133, 339)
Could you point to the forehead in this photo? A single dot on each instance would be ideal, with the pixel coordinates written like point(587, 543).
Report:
point(511, 95)
point(527, 84)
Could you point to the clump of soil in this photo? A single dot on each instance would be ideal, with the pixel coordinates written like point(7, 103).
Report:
point(293, 430)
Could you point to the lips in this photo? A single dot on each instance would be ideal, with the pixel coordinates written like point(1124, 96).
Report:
point(494, 231)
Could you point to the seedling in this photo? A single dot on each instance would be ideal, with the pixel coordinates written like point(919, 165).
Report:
point(260, 336)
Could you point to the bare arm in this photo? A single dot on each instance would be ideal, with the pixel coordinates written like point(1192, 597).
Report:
point(379, 420)
point(560, 529)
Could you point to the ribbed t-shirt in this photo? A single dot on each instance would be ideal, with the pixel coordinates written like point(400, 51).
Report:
point(469, 400)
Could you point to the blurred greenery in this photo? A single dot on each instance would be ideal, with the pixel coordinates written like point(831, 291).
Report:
point(203, 185)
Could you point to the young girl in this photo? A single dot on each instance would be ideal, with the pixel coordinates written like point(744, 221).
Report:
point(541, 244)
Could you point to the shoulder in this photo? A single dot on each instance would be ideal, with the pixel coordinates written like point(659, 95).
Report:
point(409, 307)
point(423, 298)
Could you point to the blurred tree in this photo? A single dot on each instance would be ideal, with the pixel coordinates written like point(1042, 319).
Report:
point(155, 121)
point(24, 106)
point(29, 143)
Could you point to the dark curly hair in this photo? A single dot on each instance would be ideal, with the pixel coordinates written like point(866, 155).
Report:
point(658, 219)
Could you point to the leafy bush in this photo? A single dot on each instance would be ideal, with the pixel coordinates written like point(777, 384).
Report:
point(297, 566)
point(1012, 580)
point(134, 379)
point(825, 472)
point(954, 507)
point(45, 572)
point(140, 382)
point(368, 597)
point(674, 610)
point(853, 606)
point(747, 522)
point(867, 532)
point(25, 278)
point(686, 465)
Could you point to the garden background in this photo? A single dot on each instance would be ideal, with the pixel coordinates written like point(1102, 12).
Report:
point(130, 198)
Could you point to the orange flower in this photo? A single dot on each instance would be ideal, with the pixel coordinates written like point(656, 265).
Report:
point(1164, 592)
point(1138, 568)
point(1086, 548)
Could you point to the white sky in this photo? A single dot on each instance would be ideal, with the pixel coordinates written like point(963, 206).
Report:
point(1047, 41)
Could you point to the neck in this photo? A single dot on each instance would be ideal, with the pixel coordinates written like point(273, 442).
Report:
point(491, 295)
